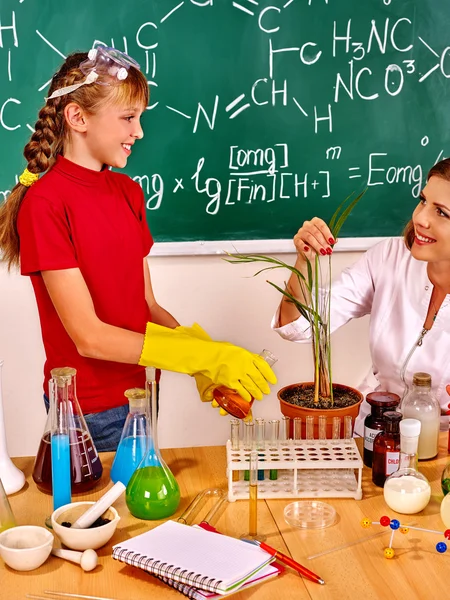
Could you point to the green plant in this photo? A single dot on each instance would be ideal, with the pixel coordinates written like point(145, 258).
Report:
point(318, 289)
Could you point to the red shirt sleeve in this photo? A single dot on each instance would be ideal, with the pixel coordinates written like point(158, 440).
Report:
point(45, 237)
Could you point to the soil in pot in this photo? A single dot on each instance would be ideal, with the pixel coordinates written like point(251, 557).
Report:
point(304, 397)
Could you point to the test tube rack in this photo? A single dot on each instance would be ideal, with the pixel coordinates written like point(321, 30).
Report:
point(305, 469)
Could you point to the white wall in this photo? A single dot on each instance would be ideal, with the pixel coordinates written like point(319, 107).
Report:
point(229, 303)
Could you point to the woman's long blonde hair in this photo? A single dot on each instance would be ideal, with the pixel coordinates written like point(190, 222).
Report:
point(440, 169)
point(51, 131)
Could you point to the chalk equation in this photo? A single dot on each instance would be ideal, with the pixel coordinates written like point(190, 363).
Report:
point(253, 102)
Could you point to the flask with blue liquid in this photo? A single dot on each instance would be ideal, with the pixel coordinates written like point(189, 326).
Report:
point(132, 445)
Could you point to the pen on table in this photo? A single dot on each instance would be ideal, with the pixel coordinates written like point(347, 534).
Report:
point(287, 560)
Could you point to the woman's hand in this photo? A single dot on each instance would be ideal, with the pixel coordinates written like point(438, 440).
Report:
point(314, 236)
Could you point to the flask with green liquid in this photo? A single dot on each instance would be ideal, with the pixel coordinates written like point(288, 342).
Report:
point(152, 492)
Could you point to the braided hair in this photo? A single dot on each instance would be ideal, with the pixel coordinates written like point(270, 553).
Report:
point(51, 132)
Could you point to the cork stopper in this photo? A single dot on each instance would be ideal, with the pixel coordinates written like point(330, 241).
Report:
point(422, 379)
point(136, 397)
point(63, 375)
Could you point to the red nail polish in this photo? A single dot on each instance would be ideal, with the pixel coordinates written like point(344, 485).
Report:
point(306, 248)
point(332, 241)
point(322, 252)
point(329, 251)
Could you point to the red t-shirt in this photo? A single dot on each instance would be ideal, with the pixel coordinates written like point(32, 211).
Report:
point(76, 217)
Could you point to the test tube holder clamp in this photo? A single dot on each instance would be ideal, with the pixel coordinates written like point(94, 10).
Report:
point(305, 469)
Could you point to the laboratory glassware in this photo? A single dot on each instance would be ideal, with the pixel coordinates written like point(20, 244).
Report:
point(420, 403)
point(386, 449)
point(60, 446)
point(232, 402)
point(13, 479)
point(6, 515)
point(379, 402)
point(407, 491)
point(85, 464)
point(132, 445)
point(152, 492)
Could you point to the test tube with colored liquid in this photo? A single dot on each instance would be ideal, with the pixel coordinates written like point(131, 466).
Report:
point(274, 431)
point(260, 427)
point(235, 442)
point(60, 447)
point(249, 436)
point(309, 427)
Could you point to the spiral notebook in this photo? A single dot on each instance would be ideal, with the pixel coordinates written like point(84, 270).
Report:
point(184, 554)
point(264, 574)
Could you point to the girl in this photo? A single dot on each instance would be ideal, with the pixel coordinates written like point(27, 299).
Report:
point(404, 284)
point(81, 235)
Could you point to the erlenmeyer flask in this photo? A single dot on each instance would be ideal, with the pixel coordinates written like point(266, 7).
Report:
point(6, 515)
point(152, 492)
point(86, 468)
point(132, 445)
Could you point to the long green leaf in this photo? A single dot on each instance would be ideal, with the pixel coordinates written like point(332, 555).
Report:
point(343, 217)
point(305, 310)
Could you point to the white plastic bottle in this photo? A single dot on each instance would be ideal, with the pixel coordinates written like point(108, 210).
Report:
point(421, 404)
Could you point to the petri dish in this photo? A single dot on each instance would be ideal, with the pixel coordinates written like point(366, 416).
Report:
point(309, 514)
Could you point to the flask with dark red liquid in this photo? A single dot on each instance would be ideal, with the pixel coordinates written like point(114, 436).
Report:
point(85, 465)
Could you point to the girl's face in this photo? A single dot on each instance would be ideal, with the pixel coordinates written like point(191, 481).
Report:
point(110, 135)
point(431, 220)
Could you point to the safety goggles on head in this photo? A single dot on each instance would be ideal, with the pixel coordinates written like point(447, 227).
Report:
point(102, 62)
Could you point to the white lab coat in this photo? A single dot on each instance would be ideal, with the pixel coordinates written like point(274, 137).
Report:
point(394, 288)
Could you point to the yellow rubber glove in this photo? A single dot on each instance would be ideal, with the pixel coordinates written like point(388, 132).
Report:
point(205, 386)
point(225, 364)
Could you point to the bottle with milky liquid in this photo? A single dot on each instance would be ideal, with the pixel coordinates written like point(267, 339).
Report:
point(421, 404)
point(407, 491)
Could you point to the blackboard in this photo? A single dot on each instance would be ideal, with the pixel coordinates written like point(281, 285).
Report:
point(262, 112)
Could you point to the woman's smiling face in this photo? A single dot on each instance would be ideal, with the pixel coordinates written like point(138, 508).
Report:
point(431, 220)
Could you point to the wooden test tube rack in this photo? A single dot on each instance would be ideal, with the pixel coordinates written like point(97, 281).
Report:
point(306, 469)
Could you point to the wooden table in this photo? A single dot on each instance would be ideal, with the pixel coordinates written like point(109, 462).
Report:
point(360, 571)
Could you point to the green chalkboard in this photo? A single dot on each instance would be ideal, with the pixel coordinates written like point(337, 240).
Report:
point(262, 112)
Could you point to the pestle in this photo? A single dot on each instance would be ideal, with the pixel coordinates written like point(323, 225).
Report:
point(97, 509)
point(87, 560)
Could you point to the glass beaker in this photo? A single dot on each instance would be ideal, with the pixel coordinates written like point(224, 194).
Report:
point(85, 465)
point(152, 492)
point(232, 402)
point(131, 448)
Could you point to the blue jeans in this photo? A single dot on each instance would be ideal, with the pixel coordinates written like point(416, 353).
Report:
point(105, 427)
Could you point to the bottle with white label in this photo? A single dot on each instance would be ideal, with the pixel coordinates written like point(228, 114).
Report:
point(421, 404)
point(407, 491)
point(379, 402)
point(386, 449)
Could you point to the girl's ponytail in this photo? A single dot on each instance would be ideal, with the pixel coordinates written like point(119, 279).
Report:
point(38, 153)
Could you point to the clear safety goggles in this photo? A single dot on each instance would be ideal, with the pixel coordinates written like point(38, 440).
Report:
point(101, 61)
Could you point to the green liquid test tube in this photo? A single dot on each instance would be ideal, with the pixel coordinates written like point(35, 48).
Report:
point(260, 444)
point(249, 436)
point(274, 432)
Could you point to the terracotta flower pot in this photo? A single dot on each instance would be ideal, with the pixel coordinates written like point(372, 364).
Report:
point(292, 410)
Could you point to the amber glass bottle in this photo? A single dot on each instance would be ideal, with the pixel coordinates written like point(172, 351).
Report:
point(380, 402)
point(386, 449)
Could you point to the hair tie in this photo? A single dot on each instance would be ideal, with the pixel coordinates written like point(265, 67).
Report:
point(28, 178)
